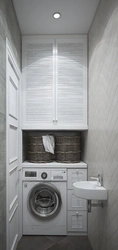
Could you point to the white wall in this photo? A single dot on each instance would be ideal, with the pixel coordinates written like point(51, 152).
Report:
point(101, 141)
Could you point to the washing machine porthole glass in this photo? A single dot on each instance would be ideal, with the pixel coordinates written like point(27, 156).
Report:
point(44, 200)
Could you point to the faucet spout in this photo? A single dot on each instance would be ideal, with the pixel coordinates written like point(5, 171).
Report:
point(98, 179)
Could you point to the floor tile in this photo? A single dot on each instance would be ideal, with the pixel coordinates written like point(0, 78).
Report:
point(56, 247)
point(34, 243)
point(75, 243)
point(56, 238)
point(54, 243)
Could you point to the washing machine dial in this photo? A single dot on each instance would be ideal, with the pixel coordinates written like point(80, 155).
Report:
point(44, 175)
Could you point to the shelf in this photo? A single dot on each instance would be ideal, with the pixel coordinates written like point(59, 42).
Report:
point(54, 164)
point(63, 128)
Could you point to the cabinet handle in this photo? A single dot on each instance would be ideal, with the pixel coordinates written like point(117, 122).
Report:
point(55, 120)
point(77, 171)
point(77, 213)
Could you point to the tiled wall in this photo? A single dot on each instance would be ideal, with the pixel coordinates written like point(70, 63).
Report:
point(8, 27)
point(101, 141)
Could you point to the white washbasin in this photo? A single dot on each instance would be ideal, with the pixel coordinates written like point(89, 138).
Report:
point(89, 190)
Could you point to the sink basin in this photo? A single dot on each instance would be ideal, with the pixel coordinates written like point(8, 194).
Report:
point(89, 190)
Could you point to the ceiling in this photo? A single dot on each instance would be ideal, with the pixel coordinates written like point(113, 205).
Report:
point(36, 16)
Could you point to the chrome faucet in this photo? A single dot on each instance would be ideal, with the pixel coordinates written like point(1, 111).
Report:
point(98, 179)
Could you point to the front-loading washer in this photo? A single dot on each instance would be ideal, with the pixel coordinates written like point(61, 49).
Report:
point(44, 202)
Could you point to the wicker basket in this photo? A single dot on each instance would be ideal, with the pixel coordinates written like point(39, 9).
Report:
point(39, 157)
point(67, 139)
point(68, 157)
point(36, 151)
point(35, 148)
point(68, 149)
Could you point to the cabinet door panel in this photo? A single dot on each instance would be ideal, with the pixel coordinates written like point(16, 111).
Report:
point(77, 221)
point(75, 203)
point(76, 175)
point(71, 65)
point(38, 81)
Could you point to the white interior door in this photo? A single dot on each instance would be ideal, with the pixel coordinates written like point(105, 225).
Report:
point(12, 100)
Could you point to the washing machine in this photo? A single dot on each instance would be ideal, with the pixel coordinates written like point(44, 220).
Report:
point(44, 202)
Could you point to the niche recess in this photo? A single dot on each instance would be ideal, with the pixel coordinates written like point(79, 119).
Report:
point(25, 134)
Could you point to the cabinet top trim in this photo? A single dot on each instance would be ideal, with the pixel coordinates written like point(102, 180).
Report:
point(55, 165)
point(33, 37)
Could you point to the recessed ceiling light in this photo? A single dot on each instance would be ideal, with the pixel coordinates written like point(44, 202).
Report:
point(56, 15)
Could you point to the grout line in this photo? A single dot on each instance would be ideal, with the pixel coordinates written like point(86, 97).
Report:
point(112, 236)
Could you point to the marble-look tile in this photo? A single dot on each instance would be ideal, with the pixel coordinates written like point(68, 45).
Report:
point(2, 26)
point(54, 243)
point(2, 94)
point(2, 210)
point(100, 144)
point(75, 242)
point(2, 53)
point(3, 219)
point(56, 238)
point(56, 247)
point(3, 242)
point(35, 242)
point(2, 151)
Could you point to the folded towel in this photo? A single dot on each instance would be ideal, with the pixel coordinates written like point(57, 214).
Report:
point(48, 143)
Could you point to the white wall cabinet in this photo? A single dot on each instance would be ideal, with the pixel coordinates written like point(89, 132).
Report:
point(54, 82)
point(77, 208)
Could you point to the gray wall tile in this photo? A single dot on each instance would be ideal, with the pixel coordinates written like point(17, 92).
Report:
point(2, 151)
point(100, 143)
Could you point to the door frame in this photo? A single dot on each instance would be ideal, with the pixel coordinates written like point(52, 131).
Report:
point(10, 55)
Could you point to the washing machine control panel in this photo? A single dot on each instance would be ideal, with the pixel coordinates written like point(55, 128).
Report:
point(44, 175)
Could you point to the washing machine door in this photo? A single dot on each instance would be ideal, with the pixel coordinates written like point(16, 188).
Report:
point(44, 200)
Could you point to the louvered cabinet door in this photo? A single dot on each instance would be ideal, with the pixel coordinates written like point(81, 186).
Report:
point(72, 82)
point(54, 93)
point(38, 80)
